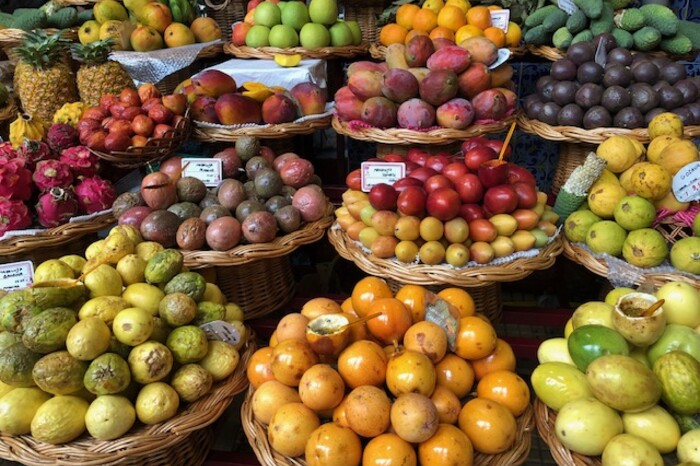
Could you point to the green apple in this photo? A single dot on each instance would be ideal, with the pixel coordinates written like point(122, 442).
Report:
point(314, 36)
point(283, 36)
point(267, 14)
point(295, 14)
point(341, 35)
point(323, 11)
point(258, 36)
point(356, 32)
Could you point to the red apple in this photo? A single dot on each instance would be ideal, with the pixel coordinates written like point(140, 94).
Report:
point(423, 173)
point(443, 204)
point(411, 201)
point(418, 156)
point(437, 162)
point(469, 188)
point(454, 170)
point(394, 158)
point(496, 145)
point(474, 157)
point(470, 212)
point(403, 183)
point(437, 182)
point(472, 143)
point(501, 199)
point(493, 172)
point(527, 195)
point(410, 166)
point(354, 179)
point(516, 174)
point(383, 197)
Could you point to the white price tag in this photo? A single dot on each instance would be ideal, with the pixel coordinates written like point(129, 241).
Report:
point(381, 172)
point(208, 170)
point(500, 18)
point(568, 6)
point(503, 56)
point(686, 183)
point(222, 331)
point(16, 275)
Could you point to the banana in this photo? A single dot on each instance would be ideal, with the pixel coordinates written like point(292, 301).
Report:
point(395, 56)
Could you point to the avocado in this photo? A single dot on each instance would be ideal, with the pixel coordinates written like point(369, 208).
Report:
point(617, 75)
point(570, 115)
point(685, 114)
point(533, 110)
point(644, 97)
point(645, 71)
point(688, 89)
point(563, 70)
point(620, 55)
point(564, 92)
point(673, 72)
point(616, 98)
point(589, 95)
point(590, 72)
point(695, 110)
point(670, 97)
point(597, 117)
point(545, 92)
point(580, 52)
point(651, 114)
point(549, 113)
point(629, 117)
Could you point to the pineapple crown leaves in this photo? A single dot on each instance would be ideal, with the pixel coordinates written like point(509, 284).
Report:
point(41, 50)
point(94, 53)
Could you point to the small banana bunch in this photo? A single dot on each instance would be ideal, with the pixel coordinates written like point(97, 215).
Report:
point(70, 113)
point(259, 91)
point(26, 127)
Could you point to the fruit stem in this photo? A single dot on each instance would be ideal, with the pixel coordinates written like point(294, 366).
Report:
point(361, 320)
point(507, 141)
point(653, 308)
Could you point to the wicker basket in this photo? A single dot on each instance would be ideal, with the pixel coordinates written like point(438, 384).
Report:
point(582, 256)
point(378, 51)
point(570, 157)
point(156, 445)
point(590, 136)
point(155, 150)
point(422, 274)
point(324, 53)
point(10, 38)
point(225, 13)
point(554, 54)
point(366, 17)
point(259, 288)
point(9, 111)
point(256, 432)
point(402, 136)
point(673, 231)
point(545, 418)
point(280, 131)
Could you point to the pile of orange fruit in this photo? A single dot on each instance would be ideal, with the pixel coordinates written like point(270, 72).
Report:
point(455, 20)
point(392, 383)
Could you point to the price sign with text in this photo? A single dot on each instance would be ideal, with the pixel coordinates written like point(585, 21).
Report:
point(381, 172)
point(221, 330)
point(500, 18)
point(16, 275)
point(686, 183)
point(209, 171)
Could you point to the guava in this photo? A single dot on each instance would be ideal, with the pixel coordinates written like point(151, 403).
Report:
point(47, 332)
point(16, 365)
point(150, 362)
point(606, 237)
point(188, 344)
point(59, 373)
point(208, 311)
point(634, 213)
point(645, 248)
point(108, 374)
point(577, 224)
point(177, 309)
point(685, 255)
point(191, 382)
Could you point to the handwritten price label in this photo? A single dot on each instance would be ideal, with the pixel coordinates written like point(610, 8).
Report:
point(381, 172)
point(686, 183)
point(500, 18)
point(222, 331)
point(209, 171)
point(16, 275)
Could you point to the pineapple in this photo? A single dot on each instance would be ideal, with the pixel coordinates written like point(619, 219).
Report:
point(97, 74)
point(43, 80)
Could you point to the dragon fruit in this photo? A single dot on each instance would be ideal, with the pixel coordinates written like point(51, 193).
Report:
point(34, 151)
point(61, 136)
point(56, 207)
point(52, 174)
point(95, 195)
point(81, 161)
point(15, 179)
point(14, 215)
point(7, 151)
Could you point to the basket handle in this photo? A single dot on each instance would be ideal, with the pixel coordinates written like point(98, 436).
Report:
point(216, 7)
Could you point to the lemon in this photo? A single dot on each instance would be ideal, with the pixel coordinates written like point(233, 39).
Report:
point(75, 262)
point(288, 61)
point(17, 408)
point(131, 268)
point(110, 417)
point(60, 419)
point(94, 249)
point(104, 281)
point(147, 249)
point(213, 293)
point(145, 296)
point(620, 153)
point(129, 231)
point(103, 307)
point(156, 402)
point(221, 360)
point(52, 269)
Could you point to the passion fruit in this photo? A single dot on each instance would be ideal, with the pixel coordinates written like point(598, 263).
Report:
point(410, 372)
point(259, 368)
point(290, 429)
point(320, 306)
point(333, 444)
point(328, 334)
point(449, 445)
point(447, 404)
point(489, 425)
point(321, 388)
point(414, 417)
point(367, 409)
point(292, 327)
point(269, 397)
point(427, 338)
point(393, 321)
point(363, 363)
point(388, 449)
point(455, 374)
point(290, 359)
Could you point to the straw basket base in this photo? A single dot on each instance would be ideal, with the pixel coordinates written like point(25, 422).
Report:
point(324, 53)
point(545, 419)
point(256, 433)
point(280, 131)
point(554, 54)
point(260, 287)
point(422, 274)
point(570, 156)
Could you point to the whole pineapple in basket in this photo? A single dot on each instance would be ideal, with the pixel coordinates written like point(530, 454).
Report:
point(43, 80)
point(97, 74)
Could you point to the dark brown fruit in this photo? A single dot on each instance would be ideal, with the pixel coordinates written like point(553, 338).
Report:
point(629, 118)
point(246, 208)
point(259, 227)
point(563, 70)
point(645, 72)
point(644, 97)
point(564, 92)
point(223, 234)
point(617, 75)
point(688, 89)
point(125, 202)
point(651, 114)
point(549, 113)
point(616, 98)
point(588, 95)
point(590, 72)
point(191, 235)
point(288, 218)
point(275, 203)
point(253, 165)
point(670, 98)
point(620, 55)
point(597, 117)
point(581, 52)
point(213, 212)
point(570, 115)
point(161, 226)
point(190, 189)
point(231, 193)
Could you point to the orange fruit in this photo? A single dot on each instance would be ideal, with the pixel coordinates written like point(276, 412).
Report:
point(463, 5)
point(467, 31)
point(388, 449)
point(413, 33)
point(488, 424)
point(433, 5)
point(442, 33)
point(394, 319)
point(425, 20)
point(363, 363)
point(507, 388)
point(366, 291)
point(455, 374)
point(405, 14)
point(392, 33)
point(514, 35)
point(476, 338)
point(451, 17)
point(332, 444)
point(479, 16)
point(448, 445)
point(502, 358)
point(495, 35)
point(259, 370)
point(460, 299)
point(414, 297)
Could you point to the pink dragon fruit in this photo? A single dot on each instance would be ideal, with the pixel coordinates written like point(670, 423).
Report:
point(14, 215)
point(7, 151)
point(15, 179)
point(34, 151)
point(81, 161)
point(56, 207)
point(95, 194)
point(61, 136)
point(52, 174)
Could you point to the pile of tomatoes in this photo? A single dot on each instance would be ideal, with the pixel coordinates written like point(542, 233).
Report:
point(394, 389)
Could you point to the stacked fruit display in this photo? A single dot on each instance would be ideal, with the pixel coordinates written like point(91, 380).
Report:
point(56, 175)
point(454, 21)
point(50, 15)
point(626, 91)
point(623, 203)
point(131, 118)
point(286, 24)
point(120, 342)
point(261, 196)
point(650, 27)
point(422, 86)
point(449, 210)
point(627, 385)
point(215, 98)
point(322, 385)
point(147, 25)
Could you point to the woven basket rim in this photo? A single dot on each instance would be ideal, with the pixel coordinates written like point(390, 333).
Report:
point(280, 246)
point(11, 37)
point(554, 54)
point(378, 51)
point(422, 274)
point(591, 136)
point(268, 53)
point(257, 438)
point(62, 234)
point(402, 136)
point(139, 441)
point(280, 131)
point(575, 253)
